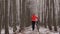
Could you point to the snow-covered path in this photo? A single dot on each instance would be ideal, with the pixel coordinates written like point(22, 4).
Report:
point(28, 30)
point(42, 30)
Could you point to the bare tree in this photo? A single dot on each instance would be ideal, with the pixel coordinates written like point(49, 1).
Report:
point(0, 14)
point(6, 17)
point(54, 19)
point(49, 15)
point(10, 13)
point(42, 14)
point(59, 15)
point(14, 15)
point(27, 14)
point(3, 14)
point(22, 12)
point(45, 14)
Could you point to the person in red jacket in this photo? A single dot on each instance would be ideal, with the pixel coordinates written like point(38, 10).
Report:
point(34, 20)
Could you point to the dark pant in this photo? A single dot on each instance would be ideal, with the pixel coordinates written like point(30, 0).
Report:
point(33, 25)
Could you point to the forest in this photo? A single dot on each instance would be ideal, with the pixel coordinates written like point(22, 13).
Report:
point(15, 16)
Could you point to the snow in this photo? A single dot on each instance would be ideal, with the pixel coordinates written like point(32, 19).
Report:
point(10, 31)
point(2, 31)
point(42, 30)
point(28, 30)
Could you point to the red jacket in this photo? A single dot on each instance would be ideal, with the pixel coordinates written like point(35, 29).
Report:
point(34, 18)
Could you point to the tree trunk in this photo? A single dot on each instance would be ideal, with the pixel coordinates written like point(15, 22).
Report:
point(3, 13)
point(14, 15)
point(42, 13)
point(45, 14)
point(0, 14)
point(49, 15)
point(54, 19)
point(10, 14)
point(59, 15)
point(27, 15)
point(22, 14)
point(6, 17)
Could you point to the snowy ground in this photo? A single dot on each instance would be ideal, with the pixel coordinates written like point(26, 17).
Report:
point(42, 30)
point(28, 30)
